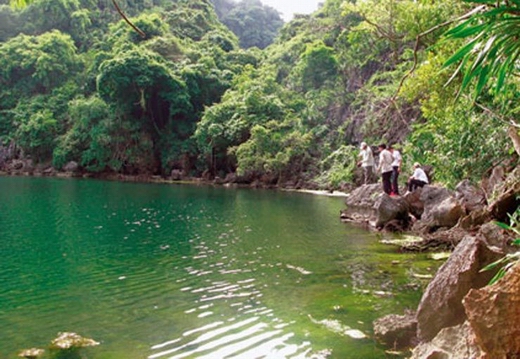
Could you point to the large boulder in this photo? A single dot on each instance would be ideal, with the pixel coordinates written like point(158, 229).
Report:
point(176, 174)
point(471, 197)
point(441, 208)
point(71, 166)
point(360, 203)
point(494, 314)
point(457, 342)
point(390, 209)
point(415, 205)
point(441, 304)
point(396, 331)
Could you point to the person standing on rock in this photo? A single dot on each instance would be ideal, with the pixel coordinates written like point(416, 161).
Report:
point(418, 179)
point(366, 163)
point(396, 169)
point(385, 167)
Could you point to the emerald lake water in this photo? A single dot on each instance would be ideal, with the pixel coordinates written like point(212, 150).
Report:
point(181, 271)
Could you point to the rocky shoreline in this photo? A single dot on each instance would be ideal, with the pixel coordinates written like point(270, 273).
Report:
point(459, 315)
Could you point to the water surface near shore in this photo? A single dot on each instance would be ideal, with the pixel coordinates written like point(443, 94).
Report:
point(181, 271)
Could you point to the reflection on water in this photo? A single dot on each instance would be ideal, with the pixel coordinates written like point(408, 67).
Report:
point(165, 271)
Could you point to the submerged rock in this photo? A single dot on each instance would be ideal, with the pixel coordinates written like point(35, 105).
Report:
point(68, 340)
point(32, 353)
point(336, 327)
point(397, 331)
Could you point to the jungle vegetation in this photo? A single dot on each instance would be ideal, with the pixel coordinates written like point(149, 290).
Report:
point(210, 91)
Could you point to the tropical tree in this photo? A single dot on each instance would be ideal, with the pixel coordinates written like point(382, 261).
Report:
point(254, 23)
point(24, 3)
point(144, 91)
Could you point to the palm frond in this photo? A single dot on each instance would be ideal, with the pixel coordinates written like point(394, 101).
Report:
point(493, 48)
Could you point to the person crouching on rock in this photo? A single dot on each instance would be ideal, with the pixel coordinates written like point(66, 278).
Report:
point(418, 179)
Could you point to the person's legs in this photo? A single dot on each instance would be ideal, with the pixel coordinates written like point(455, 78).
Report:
point(369, 174)
point(365, 175)
point(414, 184)
point(420, 184)
point(395, 180)
point(387, 185)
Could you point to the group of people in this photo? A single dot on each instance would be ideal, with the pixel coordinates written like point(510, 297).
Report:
point(389, 165)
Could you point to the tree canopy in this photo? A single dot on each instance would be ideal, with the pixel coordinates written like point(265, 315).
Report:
point(222, 87)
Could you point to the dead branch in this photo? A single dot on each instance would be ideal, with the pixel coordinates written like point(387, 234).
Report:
point(138, 30)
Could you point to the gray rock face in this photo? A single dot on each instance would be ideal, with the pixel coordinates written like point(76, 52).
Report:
point(415, 205)
point(72, 166)
point(441, 305)
point(176, 175)
point(360, 203)
point(441, 209)
point(471, 197)
point(389, 209)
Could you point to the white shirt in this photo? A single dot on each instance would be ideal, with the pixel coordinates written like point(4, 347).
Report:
point(397, 158)
point(385, 161)
point(367, 158)
point(420, 175)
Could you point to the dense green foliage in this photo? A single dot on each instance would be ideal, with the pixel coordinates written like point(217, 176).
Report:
point(254, 23)
point(80, 85)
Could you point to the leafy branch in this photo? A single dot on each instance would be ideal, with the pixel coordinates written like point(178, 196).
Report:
point(493, 49)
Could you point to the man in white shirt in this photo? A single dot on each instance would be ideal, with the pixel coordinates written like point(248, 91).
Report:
point(385, 167)
point(367, 162)
point(396, 169)
point(418, 179)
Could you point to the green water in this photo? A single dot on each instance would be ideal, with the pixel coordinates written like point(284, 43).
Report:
point(179, 271)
